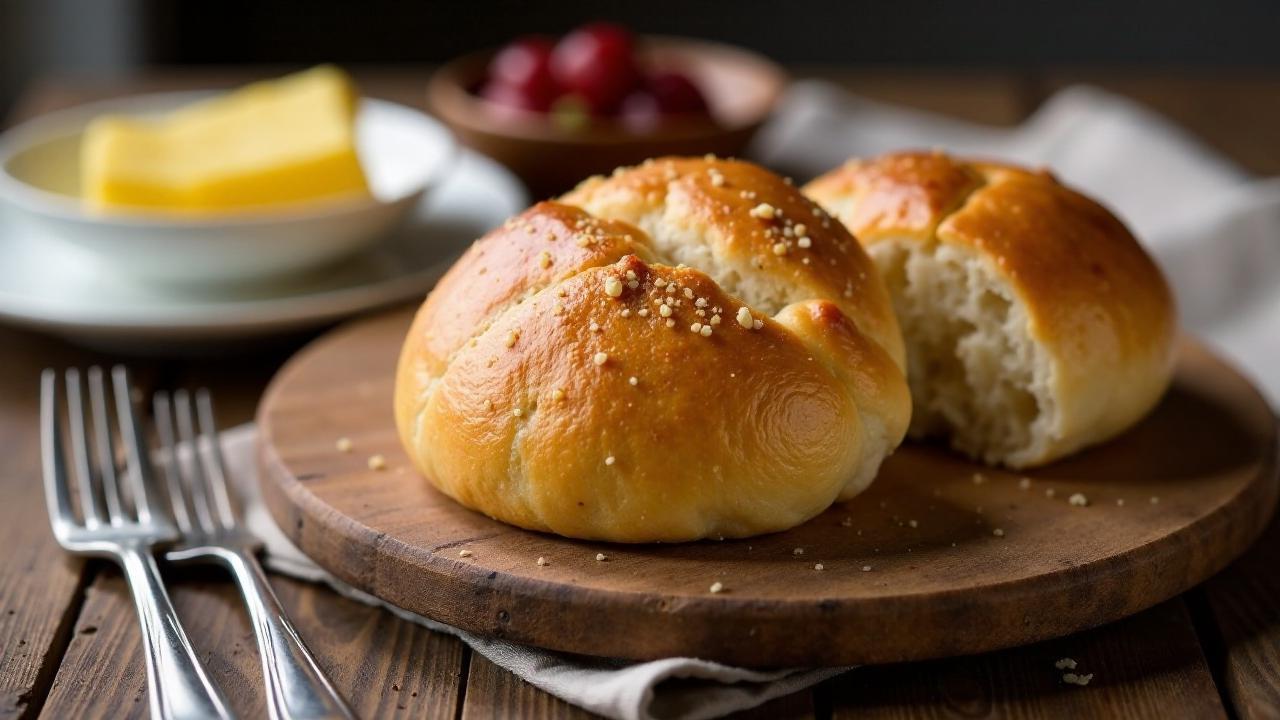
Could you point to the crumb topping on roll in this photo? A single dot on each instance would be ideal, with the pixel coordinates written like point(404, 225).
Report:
point(636, 362)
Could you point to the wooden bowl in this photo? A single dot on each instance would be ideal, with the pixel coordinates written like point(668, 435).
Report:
point(742, 89)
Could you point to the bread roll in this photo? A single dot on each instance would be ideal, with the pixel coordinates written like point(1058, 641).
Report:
point(1035, 323)
point(568, 375)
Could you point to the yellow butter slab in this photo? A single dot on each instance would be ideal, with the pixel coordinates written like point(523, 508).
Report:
point(271, 143)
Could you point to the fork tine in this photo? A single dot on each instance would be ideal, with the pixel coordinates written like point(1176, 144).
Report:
point(216, 466)
point(57, 496)
point(103, 445)
point(80, 450)
point(170, 466)
point(138, 459)
point(197, 483)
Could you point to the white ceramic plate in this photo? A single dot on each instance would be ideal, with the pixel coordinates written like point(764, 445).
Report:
point(49, 286)
point(402, 150)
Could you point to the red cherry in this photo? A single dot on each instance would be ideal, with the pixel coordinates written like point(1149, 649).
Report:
point(676, 94)
point(525, 64)
point(512, 101)
point(640, 112)
point(597, 61)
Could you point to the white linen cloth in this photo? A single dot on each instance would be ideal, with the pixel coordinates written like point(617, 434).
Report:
point(1215, 230)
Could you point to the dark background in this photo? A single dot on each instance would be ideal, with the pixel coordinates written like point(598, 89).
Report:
point(112, 37)
point(807, 31)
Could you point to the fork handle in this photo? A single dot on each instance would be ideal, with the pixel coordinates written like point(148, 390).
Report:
point(297, 688)
point(178, 686)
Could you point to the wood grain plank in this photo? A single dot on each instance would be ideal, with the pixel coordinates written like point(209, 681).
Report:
point(235, 382)
point(384, 666)
point(1148, 666)
point(993, 97)
point(492, 692)
point(40, 585)
point(1243, 604)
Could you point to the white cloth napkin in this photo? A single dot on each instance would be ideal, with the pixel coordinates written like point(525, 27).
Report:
point(670, 688)
point(1214, 229)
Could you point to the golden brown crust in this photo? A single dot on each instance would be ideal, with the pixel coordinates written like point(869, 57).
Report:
point(714, 429)
point(865, 368)
point(1095, 300)
point(600, 392)
point(746, 218)
point(898, 195)
point(546, 243)
point(1085, 279)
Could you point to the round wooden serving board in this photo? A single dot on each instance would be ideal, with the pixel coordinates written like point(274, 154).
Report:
point(958, 562)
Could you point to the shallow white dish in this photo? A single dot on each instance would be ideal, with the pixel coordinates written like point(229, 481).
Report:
point(403, 152)
point(46, 286)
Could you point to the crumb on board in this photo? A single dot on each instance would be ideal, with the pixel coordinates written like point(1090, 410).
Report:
point(1025, 483)
point(717, 587)
point(866, 568)
point(819, 566)
point(1155, 500)
point(343, 444)
point(847, 522)
point(1119, 502)
point(798, 551)
point(1078, 499)
point(542, 562)
point(998, 532)
point(601, 557)
point(979, 478)
point(1050, 492)
point(1065, 664)
point(377, 462)
point(464, 553)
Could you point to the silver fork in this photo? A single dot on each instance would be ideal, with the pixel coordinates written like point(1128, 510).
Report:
point(108, 527)
point(202, 505)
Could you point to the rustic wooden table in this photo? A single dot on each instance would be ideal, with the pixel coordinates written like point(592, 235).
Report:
point(69, 643)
